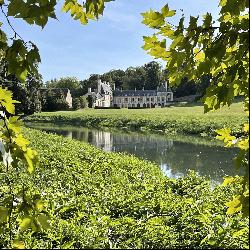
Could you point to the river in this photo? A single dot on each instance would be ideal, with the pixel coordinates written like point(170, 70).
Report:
point(174, 155)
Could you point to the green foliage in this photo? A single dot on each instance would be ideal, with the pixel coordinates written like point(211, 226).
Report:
point(173, 120)
point(26, 94)
point(20, 203)
point(199, 50)
point(70, 83)
point(79, 103)
point(53, 100)
point(83, 12)
point(33, 12)
point(21, 59)
point(20, 200)
point(148, 76)
point(221, 51)
point(110, 200)
point(101, 214)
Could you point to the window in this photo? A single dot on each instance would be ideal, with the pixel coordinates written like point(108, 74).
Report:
point(126, 99)
point(163, 99)
point(152, 99)
point(147, 99)
point(133, 99)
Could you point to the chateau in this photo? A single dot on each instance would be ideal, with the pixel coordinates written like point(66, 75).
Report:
point(104, 96)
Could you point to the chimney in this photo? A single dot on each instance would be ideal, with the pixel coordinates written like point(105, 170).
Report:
point(166, 85)
point(89, 90)
point(143, 88)
point(135, 88)
point(114, 86)
point(99, 82)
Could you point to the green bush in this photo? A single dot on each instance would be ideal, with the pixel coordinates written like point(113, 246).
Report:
point(53, 100)
point(76, 103)
point(112, 200)
point(79, 102)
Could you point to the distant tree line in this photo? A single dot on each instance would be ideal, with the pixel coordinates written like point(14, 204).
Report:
point(149, 76)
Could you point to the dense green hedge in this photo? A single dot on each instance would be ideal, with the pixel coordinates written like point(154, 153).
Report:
point(109, 200)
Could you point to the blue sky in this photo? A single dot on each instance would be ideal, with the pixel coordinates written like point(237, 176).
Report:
point(68, 48)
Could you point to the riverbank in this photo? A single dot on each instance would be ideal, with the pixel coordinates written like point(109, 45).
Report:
point(110, 200)
point(174, 154)
point(188, 120)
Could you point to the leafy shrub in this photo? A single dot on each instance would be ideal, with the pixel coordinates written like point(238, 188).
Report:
point(79, 102)
point(111, 200)
point(53, 100)
point(76, 103)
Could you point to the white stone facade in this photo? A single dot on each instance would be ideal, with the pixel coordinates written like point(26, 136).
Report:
point(68, 99)
point(140, 99)
point(106, 97)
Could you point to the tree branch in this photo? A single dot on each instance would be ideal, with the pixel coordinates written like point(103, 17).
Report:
point(8, 21)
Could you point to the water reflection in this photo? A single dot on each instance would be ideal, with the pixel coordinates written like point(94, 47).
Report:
point(174, 157)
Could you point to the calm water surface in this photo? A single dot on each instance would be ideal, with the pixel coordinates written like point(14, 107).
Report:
point(174, 156)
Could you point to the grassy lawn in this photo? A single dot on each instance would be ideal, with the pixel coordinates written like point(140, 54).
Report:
point(186, 119)
point(187, 110)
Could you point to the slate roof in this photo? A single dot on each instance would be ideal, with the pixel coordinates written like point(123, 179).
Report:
point(106, 88)
point(98, 95)
point(135, 93)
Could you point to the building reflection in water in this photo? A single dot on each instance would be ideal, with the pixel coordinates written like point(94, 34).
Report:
point(173, 157)
point(120, 142)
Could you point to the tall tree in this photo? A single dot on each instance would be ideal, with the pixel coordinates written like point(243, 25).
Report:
point(154, 76)
point(134, 78)
point(115, 77)
point(89, 83)
point(69, 82)
point(185, 88)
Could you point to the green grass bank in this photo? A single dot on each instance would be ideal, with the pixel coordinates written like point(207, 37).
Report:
point(112, 200)
point(189, 120)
